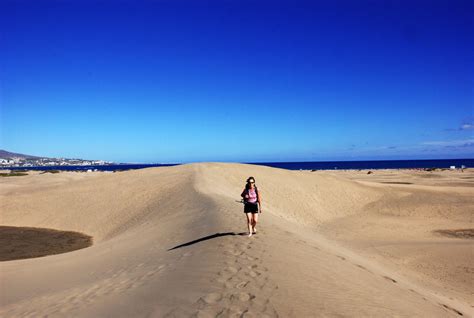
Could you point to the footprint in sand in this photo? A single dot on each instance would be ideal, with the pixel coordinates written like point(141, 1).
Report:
point(244, 297)
point(248, 315)
point(234, 252)
point(212, 298)
point(203, 314)
point(229, 285)
point(254, 274)
point(232, 270)
point(242, 284)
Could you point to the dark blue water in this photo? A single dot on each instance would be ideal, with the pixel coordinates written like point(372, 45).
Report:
point(316, 165)
point(372, 164)
point(118, 167)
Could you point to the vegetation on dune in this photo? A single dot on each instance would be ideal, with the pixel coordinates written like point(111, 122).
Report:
point(51, 171)
point(13, 174)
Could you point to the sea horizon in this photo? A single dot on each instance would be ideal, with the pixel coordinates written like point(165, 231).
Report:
point(290, 165)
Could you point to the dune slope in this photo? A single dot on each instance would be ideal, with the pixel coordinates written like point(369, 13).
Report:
point(167, 243)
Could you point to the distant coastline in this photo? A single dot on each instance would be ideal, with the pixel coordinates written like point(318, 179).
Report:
point(313, 165)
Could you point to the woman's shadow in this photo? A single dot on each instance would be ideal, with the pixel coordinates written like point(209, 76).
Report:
point(205, 238)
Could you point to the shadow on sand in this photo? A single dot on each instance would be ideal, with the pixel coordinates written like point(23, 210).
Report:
point(205, 238)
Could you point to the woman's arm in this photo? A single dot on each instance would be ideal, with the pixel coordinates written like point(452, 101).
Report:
point(259, 201)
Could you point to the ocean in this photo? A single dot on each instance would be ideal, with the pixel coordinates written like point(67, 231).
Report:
point(313, 165)
point(372, 164)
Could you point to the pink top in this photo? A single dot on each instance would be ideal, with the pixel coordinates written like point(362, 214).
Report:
point(252, 196)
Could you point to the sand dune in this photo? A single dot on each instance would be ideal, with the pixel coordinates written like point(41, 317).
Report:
point(167, 243)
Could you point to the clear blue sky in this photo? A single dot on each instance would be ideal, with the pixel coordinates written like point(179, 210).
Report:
point(183, 81)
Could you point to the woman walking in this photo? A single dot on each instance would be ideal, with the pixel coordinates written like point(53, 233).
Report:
point(252, 205)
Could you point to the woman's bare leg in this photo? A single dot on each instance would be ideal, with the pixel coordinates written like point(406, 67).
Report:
point(254, 222)
point(249, 223)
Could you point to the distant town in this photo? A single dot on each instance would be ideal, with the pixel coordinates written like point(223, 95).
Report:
point(9, 159)
point(22, 162)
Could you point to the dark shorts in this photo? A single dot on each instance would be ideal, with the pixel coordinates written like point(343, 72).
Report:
point(251, 208)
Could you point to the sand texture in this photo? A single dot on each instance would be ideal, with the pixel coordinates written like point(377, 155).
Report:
point(170, 242)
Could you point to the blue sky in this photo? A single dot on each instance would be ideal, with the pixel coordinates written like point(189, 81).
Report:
point(183, 81)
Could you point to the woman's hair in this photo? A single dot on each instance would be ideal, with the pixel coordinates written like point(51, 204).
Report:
point(247, 185)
